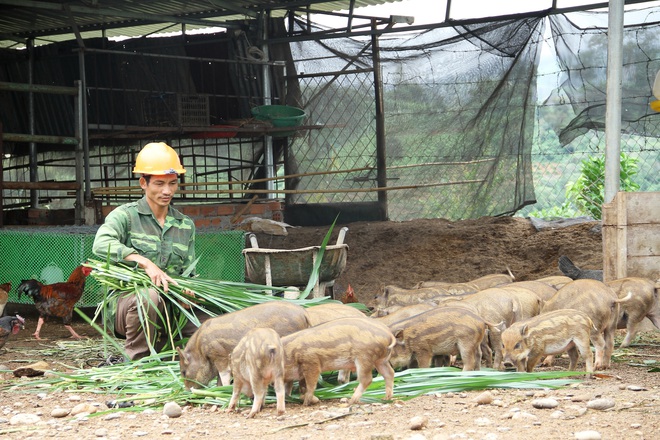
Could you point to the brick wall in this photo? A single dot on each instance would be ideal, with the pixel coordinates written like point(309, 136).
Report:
point(221, 215)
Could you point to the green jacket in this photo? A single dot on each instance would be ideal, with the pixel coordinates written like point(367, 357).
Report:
point(132, 228)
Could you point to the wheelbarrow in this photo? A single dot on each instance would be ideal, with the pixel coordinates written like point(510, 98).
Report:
point(293, 267)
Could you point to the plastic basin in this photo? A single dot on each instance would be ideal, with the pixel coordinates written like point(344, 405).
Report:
point(280, 116)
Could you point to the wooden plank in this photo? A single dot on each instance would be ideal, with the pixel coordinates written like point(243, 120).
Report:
point(643, 207)
point(621, 268)
point(647, 267)
point(643, 240)
point(608, 232)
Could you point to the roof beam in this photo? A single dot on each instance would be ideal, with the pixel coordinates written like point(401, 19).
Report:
point(231, 6)
point(85, 10)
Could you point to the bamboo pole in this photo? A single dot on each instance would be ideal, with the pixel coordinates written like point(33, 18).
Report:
point(236, 218)
point(105, 191)
point(260, 180)
point(296, 175)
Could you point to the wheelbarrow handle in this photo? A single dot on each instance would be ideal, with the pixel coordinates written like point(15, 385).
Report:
point(342, 235)
point(253, 241)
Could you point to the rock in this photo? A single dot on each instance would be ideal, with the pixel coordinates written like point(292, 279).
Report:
point(581, 397)
point(101, 432)
point(588, 435)
point(483, 421)
point(59, 412)
point(382, 437)
point(600, 404)
point(523, 415)
point(635, 388)
point(418, 422)
point(83, 408)
point(547, 403)
point(24, 419)
point(485, 398)
point(32, 370)
point(172, 410)
point(557, 414)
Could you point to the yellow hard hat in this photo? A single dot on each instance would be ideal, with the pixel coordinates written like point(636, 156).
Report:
point(158, 158)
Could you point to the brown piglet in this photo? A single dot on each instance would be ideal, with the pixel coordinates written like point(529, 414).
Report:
point(525, 342)
point(256, 362)
point(441, 331)
point(207, 352)
point(601, 305)
point(645, 303)
point(355, 344)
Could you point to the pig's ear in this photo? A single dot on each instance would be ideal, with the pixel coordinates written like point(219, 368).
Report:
point(398, 335)
point(523, 330)
point(182, 356)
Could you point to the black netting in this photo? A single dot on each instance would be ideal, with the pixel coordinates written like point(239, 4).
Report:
point(582, 55)
point(459, 117)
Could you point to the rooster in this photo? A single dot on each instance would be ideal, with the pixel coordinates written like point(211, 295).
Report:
point(4, 296)
point(10, 325)
point(57, 299)
point(348, 296)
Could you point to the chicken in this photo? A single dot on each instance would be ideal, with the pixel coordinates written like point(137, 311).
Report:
point(348, 296)
point(10, 325)
point(4, 296)
point(572, 271)
point(57, 299)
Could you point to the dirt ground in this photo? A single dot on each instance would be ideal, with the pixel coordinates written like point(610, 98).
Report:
point(380, 254)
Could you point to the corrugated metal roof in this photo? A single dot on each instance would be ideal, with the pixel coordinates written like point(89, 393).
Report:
point(51, 21)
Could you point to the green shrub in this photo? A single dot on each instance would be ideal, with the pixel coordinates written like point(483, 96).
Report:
point(587, 192)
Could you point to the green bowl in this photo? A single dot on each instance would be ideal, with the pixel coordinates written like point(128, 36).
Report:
point(280, 116)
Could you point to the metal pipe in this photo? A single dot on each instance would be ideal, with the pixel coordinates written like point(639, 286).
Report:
point(381, 158)
point(80, 200)
point(83, 124)
point(34, 194)
point(269, 161)
point(613, 99)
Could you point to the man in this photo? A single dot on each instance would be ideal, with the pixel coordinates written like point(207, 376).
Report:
point(155, 236)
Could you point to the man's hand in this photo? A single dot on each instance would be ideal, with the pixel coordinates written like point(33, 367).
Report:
point(189, 293)
point(155, 273)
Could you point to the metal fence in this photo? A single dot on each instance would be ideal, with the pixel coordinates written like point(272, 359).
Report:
point(49, 255)
point(557, 169)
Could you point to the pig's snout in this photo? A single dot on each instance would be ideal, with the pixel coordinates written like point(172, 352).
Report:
point(509, 365)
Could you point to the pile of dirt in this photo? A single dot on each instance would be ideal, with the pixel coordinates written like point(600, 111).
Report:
point(405, 253)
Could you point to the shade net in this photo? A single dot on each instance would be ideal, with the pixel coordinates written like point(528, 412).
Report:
point(458, 115)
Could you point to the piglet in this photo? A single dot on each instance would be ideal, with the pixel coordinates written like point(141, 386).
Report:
point(207, 352)
point(644, 303)
point(256, 362)
point(525, 342)
point(355, 344)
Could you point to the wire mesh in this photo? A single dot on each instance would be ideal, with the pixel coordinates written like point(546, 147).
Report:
point(345, 144)
point(49, 255)
point(569, 141)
